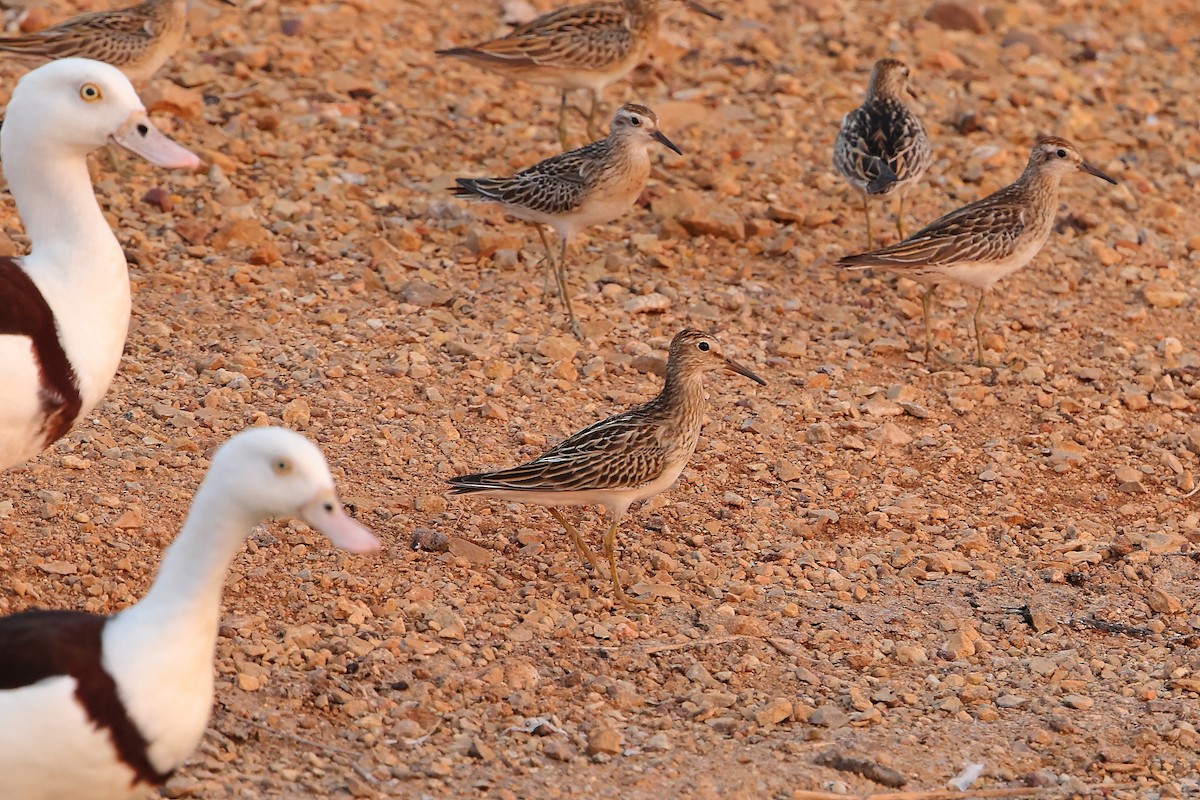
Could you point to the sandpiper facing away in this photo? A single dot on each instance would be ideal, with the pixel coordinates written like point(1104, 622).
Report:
point(882, 147)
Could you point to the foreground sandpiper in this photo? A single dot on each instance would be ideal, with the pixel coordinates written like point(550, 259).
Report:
point(136, 40)
point(988, 240)
point(620, 460)
point(571, 191)
point(588, 46)
point(882, 147)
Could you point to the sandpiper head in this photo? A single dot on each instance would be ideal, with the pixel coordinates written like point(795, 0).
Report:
point(889, 78)
point(636, 123)
point(1058, 157)
point(78, 105)
point(274, 472)
point(694, 351)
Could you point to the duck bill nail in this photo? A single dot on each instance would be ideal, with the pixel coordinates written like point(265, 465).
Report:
point(667, 142)
point(708, 12)
point(324, 513)
point(733, 366)
point(1089, 169)
point(139, 136)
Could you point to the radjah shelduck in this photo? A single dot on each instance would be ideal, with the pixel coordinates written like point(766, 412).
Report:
point(100, 708)
point(64, 307)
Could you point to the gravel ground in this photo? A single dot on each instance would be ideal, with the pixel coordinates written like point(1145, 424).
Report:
point(867, 559)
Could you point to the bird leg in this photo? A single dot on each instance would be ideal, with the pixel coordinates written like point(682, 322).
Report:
point(867, 214)
point(562, 122)
point(548, 260)
point(580, 545)
point(926, 305)
point(561, 273)
point(900, 218)
point(593, 131)
point(610, 546)
point(978, 336)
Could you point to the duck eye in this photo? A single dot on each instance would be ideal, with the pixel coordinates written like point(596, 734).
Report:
point(281, 466)
point(635, 121)
point(704, 347)
point(90, 92)
point(1062, 153)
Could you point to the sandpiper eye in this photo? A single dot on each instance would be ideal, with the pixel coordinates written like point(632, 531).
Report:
point(635, 121)
point(1062, 153)
point(90, 92)
point(281, 466)
point(704, 347)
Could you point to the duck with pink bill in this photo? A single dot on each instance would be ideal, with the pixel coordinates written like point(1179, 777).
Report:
point(100, 708)
point(64, 307)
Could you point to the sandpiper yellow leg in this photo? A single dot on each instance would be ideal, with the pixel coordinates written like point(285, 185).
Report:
point(610, 549)
point(580, 545)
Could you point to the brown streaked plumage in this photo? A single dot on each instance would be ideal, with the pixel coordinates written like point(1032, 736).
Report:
point(136, 40)
point(591, 185)
point(882, 147)
point(620, 460)
point(587, 46)
point(988, 240)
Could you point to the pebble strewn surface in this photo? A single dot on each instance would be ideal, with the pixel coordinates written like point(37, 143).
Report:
point(872, 574)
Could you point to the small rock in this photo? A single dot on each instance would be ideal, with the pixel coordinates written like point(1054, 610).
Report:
point(159, 198)
point(1078, 702)
point(604, 739)
point(954, 16)
point(828, 716)
point(469, 550)
point(1162, 603)
point(558, 348)
point(419, 293)
point(773, 712)
point(652, 303)
point(713, 219)
point(1161, 295)
point(430, 540)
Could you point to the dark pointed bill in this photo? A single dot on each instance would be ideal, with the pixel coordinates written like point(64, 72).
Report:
point(733, 366)
point(708, 12)
point(662, 138)
point(1088, 168)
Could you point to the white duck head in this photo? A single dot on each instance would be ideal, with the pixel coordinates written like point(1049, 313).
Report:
point(274, 472)
point(75, 105)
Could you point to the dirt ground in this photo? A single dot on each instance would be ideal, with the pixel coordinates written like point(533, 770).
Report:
point(918, 567)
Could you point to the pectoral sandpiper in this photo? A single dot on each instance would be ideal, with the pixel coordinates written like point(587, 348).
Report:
point(988, 240)
point(580, 47)
point(136, 40)
point(571, 191)
point(882, 147)
point(620, 460)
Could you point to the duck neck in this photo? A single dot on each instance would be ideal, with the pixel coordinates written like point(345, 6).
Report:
point(57, 204)
point(187, 590)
